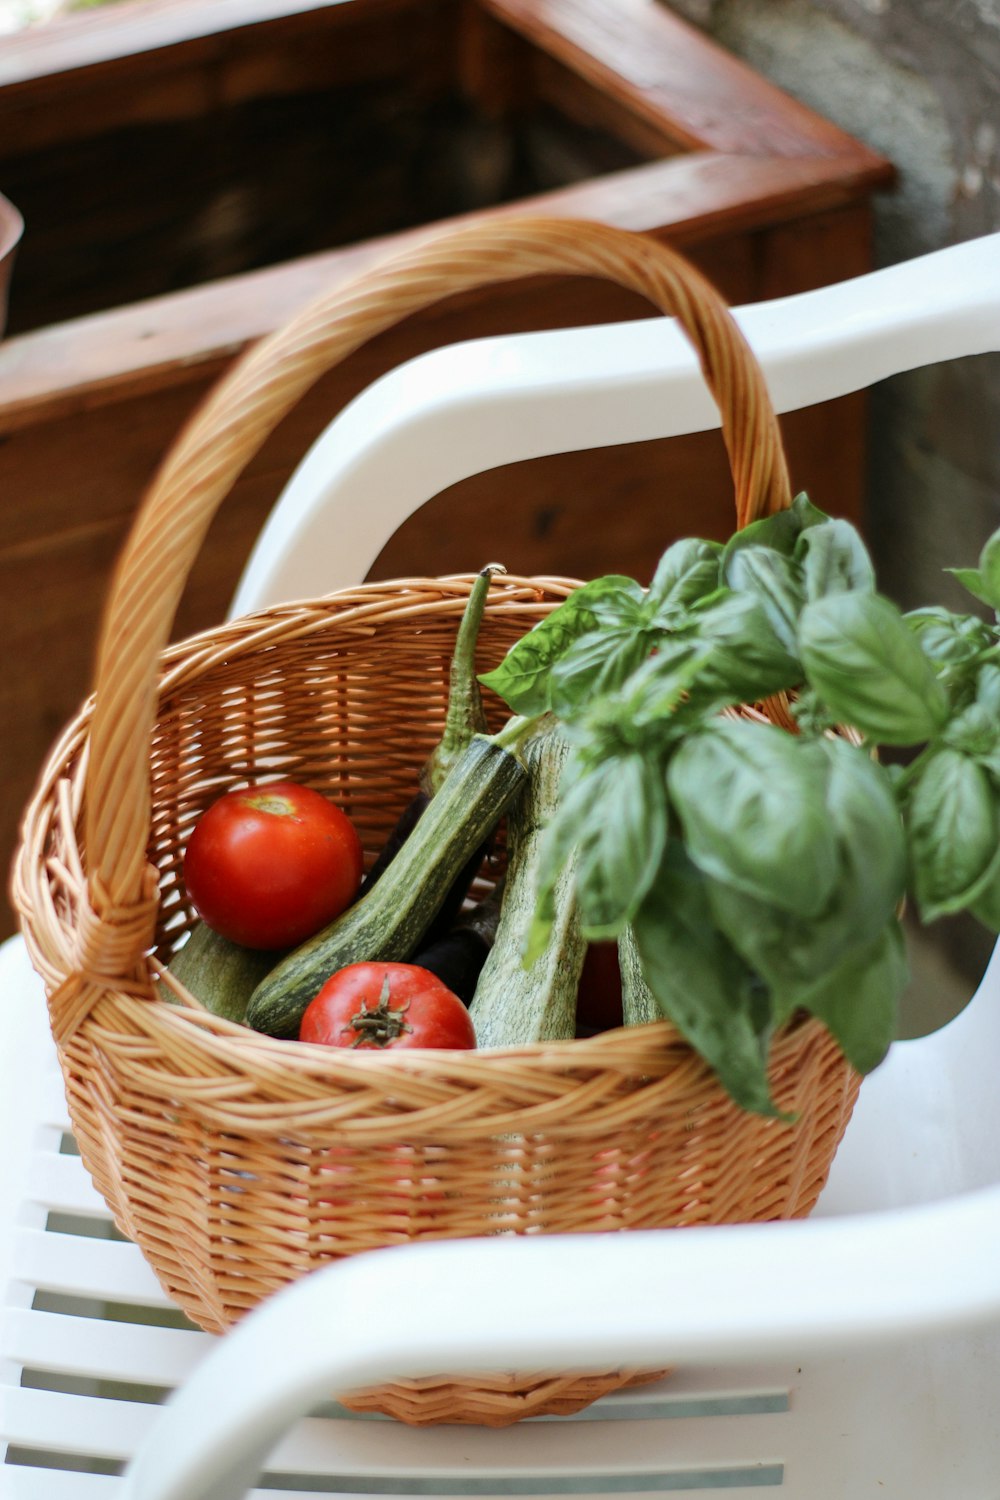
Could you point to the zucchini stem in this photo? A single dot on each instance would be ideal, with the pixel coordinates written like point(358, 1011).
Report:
point(516, 731)
point(464, 715)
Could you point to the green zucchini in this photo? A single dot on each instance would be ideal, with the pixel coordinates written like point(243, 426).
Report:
point(221, 974)
point(390, 920)
point(638, 1001)
point(464, 717)
point(514, 1005)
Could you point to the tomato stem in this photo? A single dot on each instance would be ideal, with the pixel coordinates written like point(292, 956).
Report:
point(380, 1026)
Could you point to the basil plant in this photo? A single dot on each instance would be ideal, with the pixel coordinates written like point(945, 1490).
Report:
point(762, 872)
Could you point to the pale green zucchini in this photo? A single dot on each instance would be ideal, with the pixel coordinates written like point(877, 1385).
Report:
point(513, 1004)
point(638, 1002)
point(221, 974)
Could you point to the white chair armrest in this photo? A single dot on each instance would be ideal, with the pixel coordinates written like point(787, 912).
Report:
point(694, 1296)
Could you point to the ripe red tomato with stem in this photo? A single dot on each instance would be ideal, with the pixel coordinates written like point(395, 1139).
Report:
point(382, 1005)
point(267, 866)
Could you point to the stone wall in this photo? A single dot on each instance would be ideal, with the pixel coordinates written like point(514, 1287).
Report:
point(920, 81)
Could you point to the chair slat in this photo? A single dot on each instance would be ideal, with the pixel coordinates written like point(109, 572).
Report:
point(102, 1349)
point(62, 1184)
point(109, 1269)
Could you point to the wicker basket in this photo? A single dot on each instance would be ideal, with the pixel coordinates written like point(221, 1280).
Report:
point(237, 1162)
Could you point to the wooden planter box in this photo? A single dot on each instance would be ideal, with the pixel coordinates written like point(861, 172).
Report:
point(190, 172)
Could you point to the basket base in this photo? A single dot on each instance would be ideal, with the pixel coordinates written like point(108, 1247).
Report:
point(493, 1400)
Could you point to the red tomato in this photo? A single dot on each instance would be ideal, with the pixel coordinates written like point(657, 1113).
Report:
point(270, 865)
point(386, 1005)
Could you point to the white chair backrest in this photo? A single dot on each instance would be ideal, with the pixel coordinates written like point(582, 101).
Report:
point(470, 407)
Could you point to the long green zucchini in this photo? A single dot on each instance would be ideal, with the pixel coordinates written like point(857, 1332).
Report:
point(513, 1004)
point(388, 923)
point(464, 717)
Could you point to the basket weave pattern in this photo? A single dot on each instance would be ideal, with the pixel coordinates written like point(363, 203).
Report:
point(238, 1162)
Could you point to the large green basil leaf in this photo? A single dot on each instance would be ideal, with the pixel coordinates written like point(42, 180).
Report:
point(595, 664)
point(785, 950)
point(686, 572)
point(744, 660)
point(612, 817)
point(620, 844)
point(858, 1002)
point(701, 984)
point(792, 952)
point(776, 582)
point(834, 560)
point(867, 666)
point(862, 807)
point(621, 607)
point(751, 801)
point(523, 678)
point(780, 531)
point(952, 823)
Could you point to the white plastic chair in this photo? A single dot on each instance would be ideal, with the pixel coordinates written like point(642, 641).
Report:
point(856, 1354)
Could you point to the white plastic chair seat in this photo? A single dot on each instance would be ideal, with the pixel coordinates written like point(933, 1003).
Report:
point(856, 1354)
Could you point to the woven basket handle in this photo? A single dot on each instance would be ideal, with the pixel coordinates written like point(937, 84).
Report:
point(263, 386)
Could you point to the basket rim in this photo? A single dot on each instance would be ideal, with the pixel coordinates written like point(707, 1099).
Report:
point(249, 1086)
point(632, 1045)
point(196, 653)
point(315, 1088)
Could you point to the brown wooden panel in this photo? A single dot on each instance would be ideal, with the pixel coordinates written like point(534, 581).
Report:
point(766, 198)
point(136, 184)
point(168, 143)
point(702, 203)
point(74, 51)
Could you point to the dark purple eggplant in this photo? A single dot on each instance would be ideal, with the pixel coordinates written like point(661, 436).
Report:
point(457, 957)
point(404, 826)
